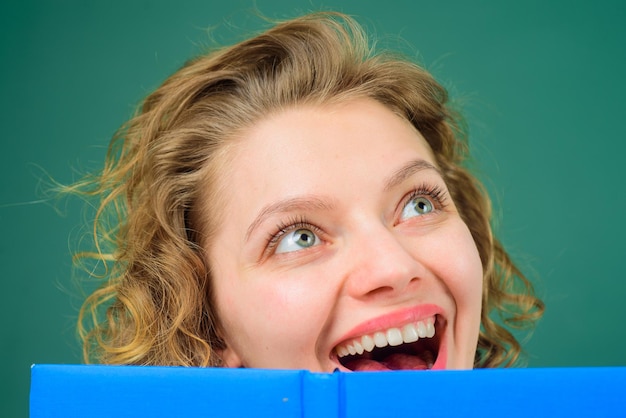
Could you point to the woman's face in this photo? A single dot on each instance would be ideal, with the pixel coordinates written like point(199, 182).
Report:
point(341, 247)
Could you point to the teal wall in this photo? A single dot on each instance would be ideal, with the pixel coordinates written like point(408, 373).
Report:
point(543, 89)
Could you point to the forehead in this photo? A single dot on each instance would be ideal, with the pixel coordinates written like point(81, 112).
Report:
point(311, 143)
point(333, 150)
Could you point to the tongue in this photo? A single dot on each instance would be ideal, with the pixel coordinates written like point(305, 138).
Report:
point(395, 361)
point(366, 365)
point(405, 362)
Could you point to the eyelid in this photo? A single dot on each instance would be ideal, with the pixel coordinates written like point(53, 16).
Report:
point(284, 228)
point(433, 192)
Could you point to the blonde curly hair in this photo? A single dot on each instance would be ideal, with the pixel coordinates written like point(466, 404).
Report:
point(154, 305)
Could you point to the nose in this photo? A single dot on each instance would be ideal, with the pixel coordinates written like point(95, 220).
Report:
point(381, 262)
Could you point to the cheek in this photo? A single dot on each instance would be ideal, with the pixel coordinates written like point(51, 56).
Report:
point(461, 268)
point(468, 290)
point(277, 309)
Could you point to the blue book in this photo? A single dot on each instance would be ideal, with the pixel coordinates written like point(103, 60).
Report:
point(135, 391)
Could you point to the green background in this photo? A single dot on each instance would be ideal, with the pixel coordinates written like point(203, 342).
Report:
point(542, 85)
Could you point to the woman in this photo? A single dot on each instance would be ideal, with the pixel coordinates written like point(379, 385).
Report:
point(297, 201)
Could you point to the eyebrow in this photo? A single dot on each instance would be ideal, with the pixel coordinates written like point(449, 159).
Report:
point(315, 202)
point(299, 203)
point(407, 171)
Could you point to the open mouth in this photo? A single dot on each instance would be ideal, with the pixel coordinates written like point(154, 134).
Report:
point(414, 346)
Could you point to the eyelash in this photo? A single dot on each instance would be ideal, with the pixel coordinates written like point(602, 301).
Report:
point(283, 228)
point(434, 192)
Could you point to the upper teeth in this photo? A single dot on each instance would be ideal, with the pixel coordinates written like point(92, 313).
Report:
point(409, 333)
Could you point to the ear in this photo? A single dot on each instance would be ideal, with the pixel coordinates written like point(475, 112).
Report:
point(230, 358)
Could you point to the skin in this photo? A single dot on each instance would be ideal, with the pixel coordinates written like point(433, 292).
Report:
point(336, 172)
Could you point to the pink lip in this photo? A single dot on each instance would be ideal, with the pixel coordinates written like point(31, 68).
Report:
point(398, 319)
point(394, 319)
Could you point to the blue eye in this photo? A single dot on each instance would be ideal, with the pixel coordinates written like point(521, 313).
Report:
point(297, 240)
point(417, 206)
